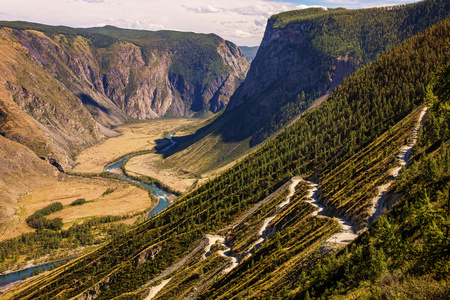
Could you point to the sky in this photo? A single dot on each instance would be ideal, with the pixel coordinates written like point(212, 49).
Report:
point(242, 22)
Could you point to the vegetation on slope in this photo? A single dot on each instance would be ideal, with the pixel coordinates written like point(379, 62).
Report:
point(196, 57)
point(298, 65)
point(49, 240)
point(408, 249)
point(363, 108)
point(348, 185)
point(365, 33)
point(193, 50)
point(278, 263)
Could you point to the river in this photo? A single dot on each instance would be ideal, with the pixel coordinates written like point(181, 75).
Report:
point(6, 279)
point(163, 203)
point(162, 195)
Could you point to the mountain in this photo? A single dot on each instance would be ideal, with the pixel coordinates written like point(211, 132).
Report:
point(189, 72)
point(75, 84)
point(20, 170)
point(348, 145)
point(303, 56)
point(249, 52)
point(64, 89)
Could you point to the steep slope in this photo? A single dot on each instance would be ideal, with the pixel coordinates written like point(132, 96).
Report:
point(144, 74)
point(303, 56)
point(37, 110)
point(348, 124)
point(20, 171)
point(188, 73)
point(76, 84)
point(63, 89)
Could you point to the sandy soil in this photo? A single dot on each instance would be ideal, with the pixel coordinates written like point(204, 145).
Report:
point(212, 239)
point(261, 235)
point(155, 166)
point(402, 159)
point(294, 183)
point(124, 200)
point(155, 289)
point(135, 137)
point(345, 235)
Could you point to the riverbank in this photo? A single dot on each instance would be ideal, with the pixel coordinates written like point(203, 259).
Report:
point(134, 137)
point(10, 279)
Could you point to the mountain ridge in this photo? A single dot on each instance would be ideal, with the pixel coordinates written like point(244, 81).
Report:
point(293, 259)
point(298, 64)
point(111, 80)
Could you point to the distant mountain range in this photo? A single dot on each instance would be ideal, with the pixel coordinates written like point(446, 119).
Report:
point(77, 83)
point(249, 52)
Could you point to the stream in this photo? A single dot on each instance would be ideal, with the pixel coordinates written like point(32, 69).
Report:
point(115, 168)
point(163, 203)
point(161, 194)
point(8, 278)
point(172, 142)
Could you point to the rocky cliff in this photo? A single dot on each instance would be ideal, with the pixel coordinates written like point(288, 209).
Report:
point(152, 74)
point(286, 76)
point(74, 84)
point(306, 53)
point(303, 56)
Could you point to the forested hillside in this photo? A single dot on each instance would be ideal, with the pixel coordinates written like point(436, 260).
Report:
point(378, 104)
point(303, 56)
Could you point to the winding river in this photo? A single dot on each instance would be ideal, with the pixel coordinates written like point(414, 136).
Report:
point(115, 168)
point(161, 194)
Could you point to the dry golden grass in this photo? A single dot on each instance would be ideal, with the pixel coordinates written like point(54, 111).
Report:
point(155, 166)
point(125, 199)
point(171, 174)
point(135, 137)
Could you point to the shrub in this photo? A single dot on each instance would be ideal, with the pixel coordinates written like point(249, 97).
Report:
point(79, 201)
point(108, 191)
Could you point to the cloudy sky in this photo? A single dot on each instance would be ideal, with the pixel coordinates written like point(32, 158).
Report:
point(242, 22)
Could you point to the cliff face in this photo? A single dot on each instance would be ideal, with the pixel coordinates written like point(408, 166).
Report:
point(132, 78)
point(149, 89)
point(76, 84)
point(306, 53)
point(303, 56)
point(39, 111)
point(286, 76)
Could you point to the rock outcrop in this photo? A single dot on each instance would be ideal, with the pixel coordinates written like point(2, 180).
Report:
point(303, 56)
point(146, 255)
point(286, 76)
point(75, 85)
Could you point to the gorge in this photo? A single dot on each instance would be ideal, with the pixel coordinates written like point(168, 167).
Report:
point(331, 104)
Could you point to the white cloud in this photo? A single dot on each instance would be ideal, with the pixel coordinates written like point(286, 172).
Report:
point(302, 6)
point(243, 24)
point(261, 10)
point(131, 24)
point(242, 34)
point(261, 21)
point(94, 1)
point(203, 9)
